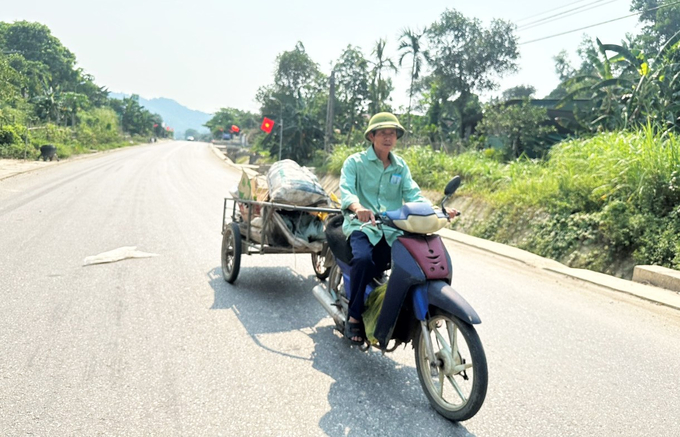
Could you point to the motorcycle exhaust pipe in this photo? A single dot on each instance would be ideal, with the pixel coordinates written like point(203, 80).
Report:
point(326, 302)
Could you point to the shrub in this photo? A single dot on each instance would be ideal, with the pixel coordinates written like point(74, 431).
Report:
point(520, 128)
point(340, 153)
point(8, 135)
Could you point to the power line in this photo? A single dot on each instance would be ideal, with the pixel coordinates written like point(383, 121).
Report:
point(548, 11)
point(565, 14)
point(559, 13)
point(580, 28)
point(601, 23)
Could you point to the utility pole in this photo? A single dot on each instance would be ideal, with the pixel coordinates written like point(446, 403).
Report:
point(280, 124)
point(281, 133)
point(26, 142)
point(329, 115)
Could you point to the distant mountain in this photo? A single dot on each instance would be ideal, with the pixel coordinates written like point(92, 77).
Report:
point(174, 115)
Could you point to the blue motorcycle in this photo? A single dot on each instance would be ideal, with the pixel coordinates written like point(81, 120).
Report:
point(416, 303)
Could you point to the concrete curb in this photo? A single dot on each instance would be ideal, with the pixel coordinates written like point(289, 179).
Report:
point(650, 293)
point(224, 157)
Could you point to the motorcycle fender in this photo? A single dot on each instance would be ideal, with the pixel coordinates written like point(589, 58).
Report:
point(405, 274)
point(442, 295)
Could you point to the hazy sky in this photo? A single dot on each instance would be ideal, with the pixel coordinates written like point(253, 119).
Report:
point(209, 54)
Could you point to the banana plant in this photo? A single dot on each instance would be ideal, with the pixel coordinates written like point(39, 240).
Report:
point(646, 88)
point(602, 88)
point(656, 94)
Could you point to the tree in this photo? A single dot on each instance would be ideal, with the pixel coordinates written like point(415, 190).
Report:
point(466, 57)
point(519, 92)
point(10, 81)
point(296, 73)
point(191, 133)
point(35, 76)
point(303, 133)
point(71, 103)
point(47, 105)
point(661, 19)
point(380, 88)
point(298, 85)
point(225, 118)
point(521, 128)
point(409, 45)
point(98, 96)
point(98, 126)
point(134, 119)
point(159, 130)
point(35, 42)
point(589, 72)
point(351, 74)
point(564, 71)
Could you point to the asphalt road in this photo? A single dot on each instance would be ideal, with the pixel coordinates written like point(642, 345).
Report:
point(163, 346)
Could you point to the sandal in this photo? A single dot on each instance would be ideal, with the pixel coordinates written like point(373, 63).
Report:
point(354, 329)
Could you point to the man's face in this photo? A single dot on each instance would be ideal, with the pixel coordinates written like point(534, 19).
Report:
point(383, 139)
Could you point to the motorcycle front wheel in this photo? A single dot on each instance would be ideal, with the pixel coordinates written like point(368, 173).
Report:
point(455, 382)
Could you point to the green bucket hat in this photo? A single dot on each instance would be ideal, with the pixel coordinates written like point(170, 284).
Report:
point(384, 120)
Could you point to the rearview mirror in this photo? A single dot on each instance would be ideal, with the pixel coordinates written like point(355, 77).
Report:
point(452, 186)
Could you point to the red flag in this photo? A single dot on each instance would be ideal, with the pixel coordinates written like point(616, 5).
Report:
point(234, 128)
point(267, 125)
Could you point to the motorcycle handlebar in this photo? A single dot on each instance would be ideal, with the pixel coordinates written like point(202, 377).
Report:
point(377, 220)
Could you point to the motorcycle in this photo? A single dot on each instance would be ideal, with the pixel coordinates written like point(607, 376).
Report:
point(418, 305)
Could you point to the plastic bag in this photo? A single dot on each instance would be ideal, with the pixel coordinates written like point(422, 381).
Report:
point(370, 316)
point(294, 185)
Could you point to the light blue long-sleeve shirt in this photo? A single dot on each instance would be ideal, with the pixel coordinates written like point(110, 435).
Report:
point(365, 180)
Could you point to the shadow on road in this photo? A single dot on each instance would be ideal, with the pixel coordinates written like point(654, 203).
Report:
point(268, 300)
point(372, 394)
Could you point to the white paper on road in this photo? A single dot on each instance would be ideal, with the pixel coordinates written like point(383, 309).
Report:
point(119, 254)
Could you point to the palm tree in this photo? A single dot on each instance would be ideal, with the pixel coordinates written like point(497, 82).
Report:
point(380, 88)
point(409, 45)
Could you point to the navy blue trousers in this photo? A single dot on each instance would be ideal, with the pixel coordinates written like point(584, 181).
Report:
point(368, 262)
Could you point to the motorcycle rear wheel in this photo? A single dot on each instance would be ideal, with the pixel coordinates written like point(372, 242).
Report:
point(456, 384)
point(319, 264)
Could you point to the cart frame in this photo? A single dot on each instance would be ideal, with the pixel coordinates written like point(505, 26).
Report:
point(243, 243)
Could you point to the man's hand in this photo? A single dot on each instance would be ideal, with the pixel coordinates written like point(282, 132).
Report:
point(363, 214)
point(452, 213)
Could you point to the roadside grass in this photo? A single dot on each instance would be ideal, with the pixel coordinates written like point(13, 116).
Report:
point(68, 141)
point(603, 203)
point(64, 149)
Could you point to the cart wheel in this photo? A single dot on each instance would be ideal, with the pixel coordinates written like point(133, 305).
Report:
point(319, 261)
point(231, 252)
